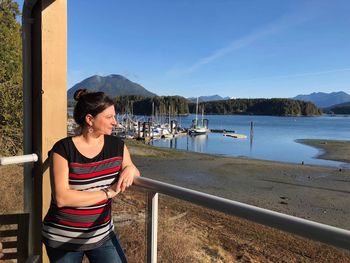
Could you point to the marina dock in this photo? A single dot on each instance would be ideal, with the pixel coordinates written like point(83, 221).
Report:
point(221, 131)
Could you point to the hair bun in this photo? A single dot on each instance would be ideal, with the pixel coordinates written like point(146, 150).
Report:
point(79, 93)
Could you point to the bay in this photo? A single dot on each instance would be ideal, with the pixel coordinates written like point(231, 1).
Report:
point(273, 138)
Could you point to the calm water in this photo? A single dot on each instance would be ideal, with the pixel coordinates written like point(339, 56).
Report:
point(273, 137)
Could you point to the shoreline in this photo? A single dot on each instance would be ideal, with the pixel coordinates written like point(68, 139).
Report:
point(317, 193)
point(334, 150)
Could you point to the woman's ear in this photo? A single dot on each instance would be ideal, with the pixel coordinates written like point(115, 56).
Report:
point(89, 119)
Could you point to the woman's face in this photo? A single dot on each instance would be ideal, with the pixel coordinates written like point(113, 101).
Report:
point(104, 122)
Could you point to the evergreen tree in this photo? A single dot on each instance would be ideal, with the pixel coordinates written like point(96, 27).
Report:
point(11, 95)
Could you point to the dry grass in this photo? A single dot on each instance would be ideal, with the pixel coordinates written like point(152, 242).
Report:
point(143, 149)
point(11, 189)
point(11, 201)
point(129, 219)
point(189, 233)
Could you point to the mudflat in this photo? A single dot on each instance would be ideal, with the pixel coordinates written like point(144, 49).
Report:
point(316, 193)
point(312, 192)
point(336, 150)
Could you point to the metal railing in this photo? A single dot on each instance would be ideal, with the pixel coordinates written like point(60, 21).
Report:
point(319, 232)
point(28, 158)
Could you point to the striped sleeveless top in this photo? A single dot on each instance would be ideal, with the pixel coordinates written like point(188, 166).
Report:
point(84, 228)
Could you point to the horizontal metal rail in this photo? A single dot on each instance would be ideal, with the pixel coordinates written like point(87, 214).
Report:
point(320, 232)
point(28, 158)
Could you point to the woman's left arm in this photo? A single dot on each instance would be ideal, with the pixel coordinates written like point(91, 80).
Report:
point(128, 173)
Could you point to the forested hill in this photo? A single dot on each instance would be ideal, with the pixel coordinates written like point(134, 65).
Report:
point(343, 108)
point(278, 107)
point(179, 105)
point(158, 105)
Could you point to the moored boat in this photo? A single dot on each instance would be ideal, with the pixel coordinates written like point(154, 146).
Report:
point(197, 128)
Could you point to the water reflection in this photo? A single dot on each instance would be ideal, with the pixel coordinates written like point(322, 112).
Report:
point(199, 142)
point(251, 136)
point(173, 143)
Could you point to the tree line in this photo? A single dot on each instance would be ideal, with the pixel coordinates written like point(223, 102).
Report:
point(11, 95)
point(141, 105)
point(159, 105)
point(176, 105)
point(277, 107)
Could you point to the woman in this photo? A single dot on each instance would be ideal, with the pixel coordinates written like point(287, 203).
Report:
point(87, 171)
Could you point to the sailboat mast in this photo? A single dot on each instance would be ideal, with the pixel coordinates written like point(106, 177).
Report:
point(169, 115)
point(197, 112)
point(202, 115)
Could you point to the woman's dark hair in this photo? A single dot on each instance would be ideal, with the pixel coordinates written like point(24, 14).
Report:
point(89, 103)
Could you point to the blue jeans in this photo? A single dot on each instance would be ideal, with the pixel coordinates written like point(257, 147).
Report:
point(110, 252)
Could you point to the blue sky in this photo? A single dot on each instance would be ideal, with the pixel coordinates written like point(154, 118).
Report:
point(243, 49)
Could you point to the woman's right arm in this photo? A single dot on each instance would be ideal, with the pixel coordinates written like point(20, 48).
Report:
point(65, 196)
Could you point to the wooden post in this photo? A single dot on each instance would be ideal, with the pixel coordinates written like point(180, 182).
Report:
point(49, 105)
point(251, 135)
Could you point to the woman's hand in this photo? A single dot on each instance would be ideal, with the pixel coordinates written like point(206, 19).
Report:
point(127, 175)
point(126, 178)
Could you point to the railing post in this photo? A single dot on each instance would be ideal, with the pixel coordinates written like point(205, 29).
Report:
point(152, 227)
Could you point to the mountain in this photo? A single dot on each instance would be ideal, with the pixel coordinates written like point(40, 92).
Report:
point(208, 98)
point(324, 100)
point(113, 85)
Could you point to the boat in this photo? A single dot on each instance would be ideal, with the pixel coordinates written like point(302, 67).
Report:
point(196, 128)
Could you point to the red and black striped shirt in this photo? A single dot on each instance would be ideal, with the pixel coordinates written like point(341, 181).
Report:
point(84, 228)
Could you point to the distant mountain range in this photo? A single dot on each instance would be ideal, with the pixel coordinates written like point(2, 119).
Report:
point(208, 98)
point(325, 100)
point(113, 85)
point(117, 85)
